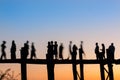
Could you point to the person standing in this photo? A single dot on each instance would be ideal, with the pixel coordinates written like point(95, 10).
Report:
point(13, 50)
point(26, 46)
point(112, 51)
point(61, 51)
point(70, 50)
point(97, 51)
point(3, 47)
point(74, 67)
point(103, 51)
point(81, 51)
point(55, 50)
point(74, 53)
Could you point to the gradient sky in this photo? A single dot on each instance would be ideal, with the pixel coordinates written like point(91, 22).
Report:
point(41, 21)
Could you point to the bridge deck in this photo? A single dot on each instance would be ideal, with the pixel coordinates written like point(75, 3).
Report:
point(44, 61)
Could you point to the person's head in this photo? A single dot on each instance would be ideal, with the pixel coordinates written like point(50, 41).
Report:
point(13, 41)
point(48, 42)
point(27, 42)
point(96, 44)
point(32, 43)
point(4, 42)
point(51, 42)
point(55, 42)
point(112, 44)
point(70, 42)
point(81, 42)
point(102, 44)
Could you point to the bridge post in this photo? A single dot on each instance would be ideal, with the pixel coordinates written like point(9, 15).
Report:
point(23, 70)
point(81, 67)
point(102, 67)
point(50, 67)
point(102, 71)
point(110, 68)
point(74, 67)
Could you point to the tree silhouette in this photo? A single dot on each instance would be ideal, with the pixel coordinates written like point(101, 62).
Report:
point(8, 75)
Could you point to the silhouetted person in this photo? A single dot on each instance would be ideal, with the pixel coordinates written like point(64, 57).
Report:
point(61, 51)
point(103, 51)
point(33, 54)
point(55, 50)
point(3, 50)
point(26, 46)
point(70, 50)
point(49, 58)
point(48, 48)
point(13, 50)
point(22, 52)
point(112, 51)
point(81, 51)
point(74, 53)
point(97, 51)
point(51, 48)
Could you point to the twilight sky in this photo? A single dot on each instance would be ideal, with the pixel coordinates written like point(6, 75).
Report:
point(41, 21)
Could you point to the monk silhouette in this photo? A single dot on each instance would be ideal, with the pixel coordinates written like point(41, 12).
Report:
point(13, 50)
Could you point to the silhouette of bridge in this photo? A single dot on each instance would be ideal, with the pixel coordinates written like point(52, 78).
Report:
point(65, 61)
point(50, 62)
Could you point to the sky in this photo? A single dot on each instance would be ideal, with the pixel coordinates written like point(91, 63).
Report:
point(40, 21)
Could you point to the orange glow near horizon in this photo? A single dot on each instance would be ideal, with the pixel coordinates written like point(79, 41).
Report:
point(64, 72)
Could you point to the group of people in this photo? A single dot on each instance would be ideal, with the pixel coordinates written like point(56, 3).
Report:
point(24, 51)
point(54, 54)
point(101, 54)
point(73, 50)
point(52, 50)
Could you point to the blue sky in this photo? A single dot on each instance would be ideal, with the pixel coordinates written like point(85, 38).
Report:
point(58, 12)
point(62, 20)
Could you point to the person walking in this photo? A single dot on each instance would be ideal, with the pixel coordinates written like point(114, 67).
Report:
point(3, 47)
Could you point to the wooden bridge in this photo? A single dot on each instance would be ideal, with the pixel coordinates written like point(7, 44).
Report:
point(52, 62)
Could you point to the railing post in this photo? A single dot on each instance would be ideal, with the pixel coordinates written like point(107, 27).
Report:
point(102, 71)
point(50, 67)
point(23, 70)
point(110, 68)
point(81, 67)
point(102, 67)
point(74, 67)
